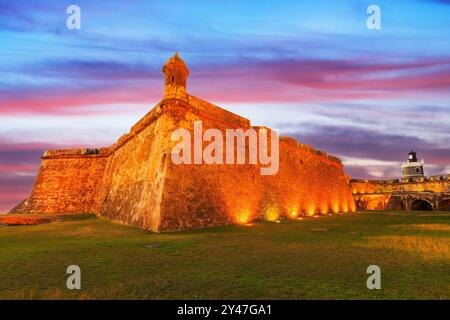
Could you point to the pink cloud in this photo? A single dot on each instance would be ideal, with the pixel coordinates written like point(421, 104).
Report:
point(326, 81)
point(51, 102)
point(269, 81)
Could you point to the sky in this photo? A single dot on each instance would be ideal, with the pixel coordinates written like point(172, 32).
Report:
point(310, 69)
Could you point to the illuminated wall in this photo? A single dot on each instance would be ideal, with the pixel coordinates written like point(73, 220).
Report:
point(68, 181)
point(135, 182)
point(308, 182)
point(435, 184)
point(375, 194)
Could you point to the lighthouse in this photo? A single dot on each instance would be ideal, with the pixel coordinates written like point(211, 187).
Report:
point(413, 167)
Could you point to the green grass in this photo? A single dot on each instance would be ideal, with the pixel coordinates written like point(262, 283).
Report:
point(323, 258)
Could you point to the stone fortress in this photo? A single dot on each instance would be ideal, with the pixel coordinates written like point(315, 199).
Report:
point(135, 182)
point(413, 191)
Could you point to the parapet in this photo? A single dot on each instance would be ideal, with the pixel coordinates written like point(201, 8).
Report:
point(307, 148)
point(290, 141)
point(444, 177)
point(73, 153)
point(433, 183)
point(320, 153)
point(217, 112)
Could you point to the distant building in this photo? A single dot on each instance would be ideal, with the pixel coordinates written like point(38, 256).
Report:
point(413, 191)
point(412, 167)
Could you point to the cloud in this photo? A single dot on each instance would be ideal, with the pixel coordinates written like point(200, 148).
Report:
point(94, 70)
point(330, 79)
point(372, 154)
point(58, 100)
point(68, 84)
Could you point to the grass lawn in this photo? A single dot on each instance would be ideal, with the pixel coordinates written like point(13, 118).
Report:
point(314, 258)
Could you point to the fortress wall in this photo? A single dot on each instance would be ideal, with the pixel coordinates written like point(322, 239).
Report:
point(135, 181)
point(389, 186)
point(134, 177)
point(209, 110)
point(375, 194)
point(306, 183)
point(197, 196)
point(68, 181)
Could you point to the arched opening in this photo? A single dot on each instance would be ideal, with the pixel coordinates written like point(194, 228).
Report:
point(395, 204)
point(421, 205)
point(444, 205)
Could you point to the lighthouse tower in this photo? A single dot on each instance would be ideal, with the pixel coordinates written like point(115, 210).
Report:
point(412, 168)
point(176, 73)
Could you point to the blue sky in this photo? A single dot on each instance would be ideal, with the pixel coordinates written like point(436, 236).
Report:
point(312, 70)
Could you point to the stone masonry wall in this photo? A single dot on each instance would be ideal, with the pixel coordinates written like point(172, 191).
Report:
point(134, 178)
point(197, 196)
point(67, 182)
point(435, 184)
point(135, 182)
point(375, 194)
